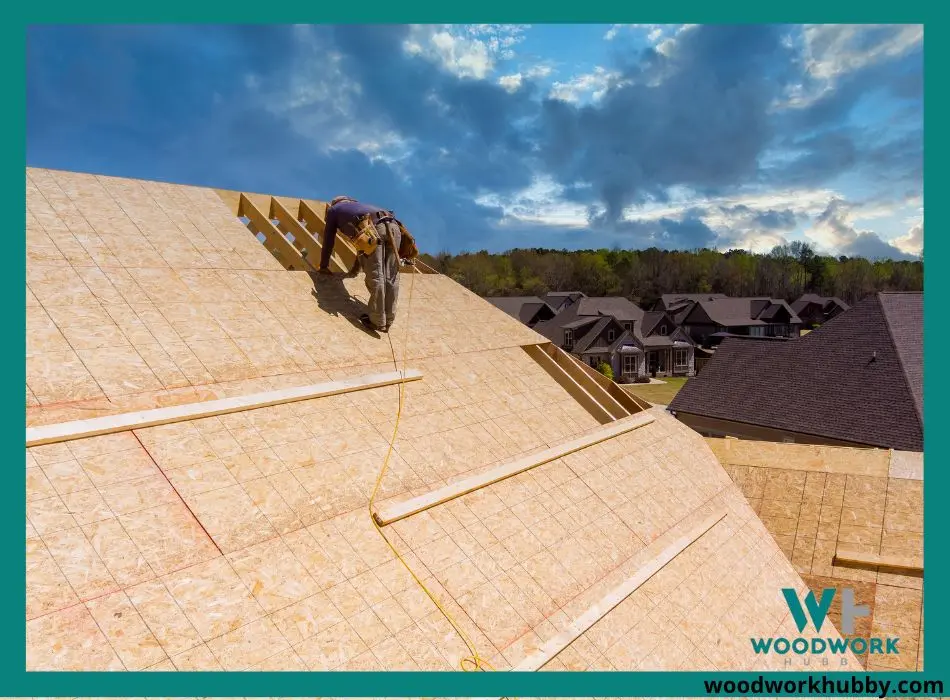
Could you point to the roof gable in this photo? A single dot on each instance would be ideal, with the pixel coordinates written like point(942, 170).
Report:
point(595, 338)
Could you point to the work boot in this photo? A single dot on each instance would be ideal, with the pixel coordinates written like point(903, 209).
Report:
point(368, 324)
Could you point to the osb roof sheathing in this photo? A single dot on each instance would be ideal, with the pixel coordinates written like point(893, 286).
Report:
point(244, 541)
point(816, 500)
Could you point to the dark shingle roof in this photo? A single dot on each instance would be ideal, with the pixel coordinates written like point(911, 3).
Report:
point(511, 305)
point(741, 311)
point(857, 379)
point(905, 320)
point(588, 308)
point(650, 319)
point(584, 344)
point(619, 307)
point(805, 299)
point(553, 328)
point(521, 308)
point(677, 299)
point(557, 300)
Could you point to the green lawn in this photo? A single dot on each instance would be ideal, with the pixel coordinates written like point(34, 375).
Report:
point(657, 393)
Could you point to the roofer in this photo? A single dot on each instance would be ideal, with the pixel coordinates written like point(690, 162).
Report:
point(376, 235)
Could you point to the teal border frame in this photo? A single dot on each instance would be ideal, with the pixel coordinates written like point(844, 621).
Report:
point(16, 682)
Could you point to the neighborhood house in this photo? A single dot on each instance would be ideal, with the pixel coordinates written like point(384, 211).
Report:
point(615, 331)
point(708, 318)
point(814, 310)
point(856, 381)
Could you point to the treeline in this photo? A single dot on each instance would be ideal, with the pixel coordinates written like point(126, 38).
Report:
point(643, 275)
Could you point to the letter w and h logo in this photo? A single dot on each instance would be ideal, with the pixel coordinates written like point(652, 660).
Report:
point(818, 609)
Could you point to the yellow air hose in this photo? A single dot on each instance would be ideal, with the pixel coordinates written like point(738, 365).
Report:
point(474, 662)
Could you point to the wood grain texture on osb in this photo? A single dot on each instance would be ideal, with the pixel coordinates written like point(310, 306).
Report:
point(817, 500)
point(142, 294)
point(244, 541)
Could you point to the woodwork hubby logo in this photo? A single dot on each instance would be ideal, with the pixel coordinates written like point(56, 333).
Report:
point(817, 610)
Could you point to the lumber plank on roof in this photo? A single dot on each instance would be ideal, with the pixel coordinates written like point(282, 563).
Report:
point(73, 430)
point(914, 565)
point(559, 642)
point(571, 385)
point(404, 509)
point(600, 392)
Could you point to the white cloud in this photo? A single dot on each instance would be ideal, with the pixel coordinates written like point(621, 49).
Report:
point(512, 82)
point(670, 38)
point(753, 241)
point(540, 203)
point(755, 221)
point(467, 51)
point(733, 218)
point(654, 32)
point(911, 242)
point(587, 85)
point(834, 229)
point(803, 202)
point(830, 51)
point(500, 38)
point(318, 102)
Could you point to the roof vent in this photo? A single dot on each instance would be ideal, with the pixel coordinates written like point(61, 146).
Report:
point(873, 355)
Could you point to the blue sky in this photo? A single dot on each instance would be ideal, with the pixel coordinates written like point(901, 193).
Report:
point(502, 136)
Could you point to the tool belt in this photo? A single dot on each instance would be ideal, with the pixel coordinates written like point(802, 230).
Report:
point(364, 235)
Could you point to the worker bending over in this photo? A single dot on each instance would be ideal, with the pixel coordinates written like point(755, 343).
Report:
point(376, 236)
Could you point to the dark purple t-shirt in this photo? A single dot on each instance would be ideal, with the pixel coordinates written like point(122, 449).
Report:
point(337, 216)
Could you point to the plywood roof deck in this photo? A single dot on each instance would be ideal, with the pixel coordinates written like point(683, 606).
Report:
point(844, 517)
point(243, 541)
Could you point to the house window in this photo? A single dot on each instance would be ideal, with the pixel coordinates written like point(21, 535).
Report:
point(757, 331)
point(630, 365)
point(611, 334)
point(627, 326)
point(679, 358)
point(663, 329)
point(569, 338)
point(592, 361)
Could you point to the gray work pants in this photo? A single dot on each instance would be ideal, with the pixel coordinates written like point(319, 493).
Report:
point(381, 270)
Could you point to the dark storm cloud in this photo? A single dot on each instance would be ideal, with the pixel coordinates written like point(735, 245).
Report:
point(769, 219)
point(704, 125)
point(174, 103)
point(869, 245)
point(688, 233)
point(473, 119)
